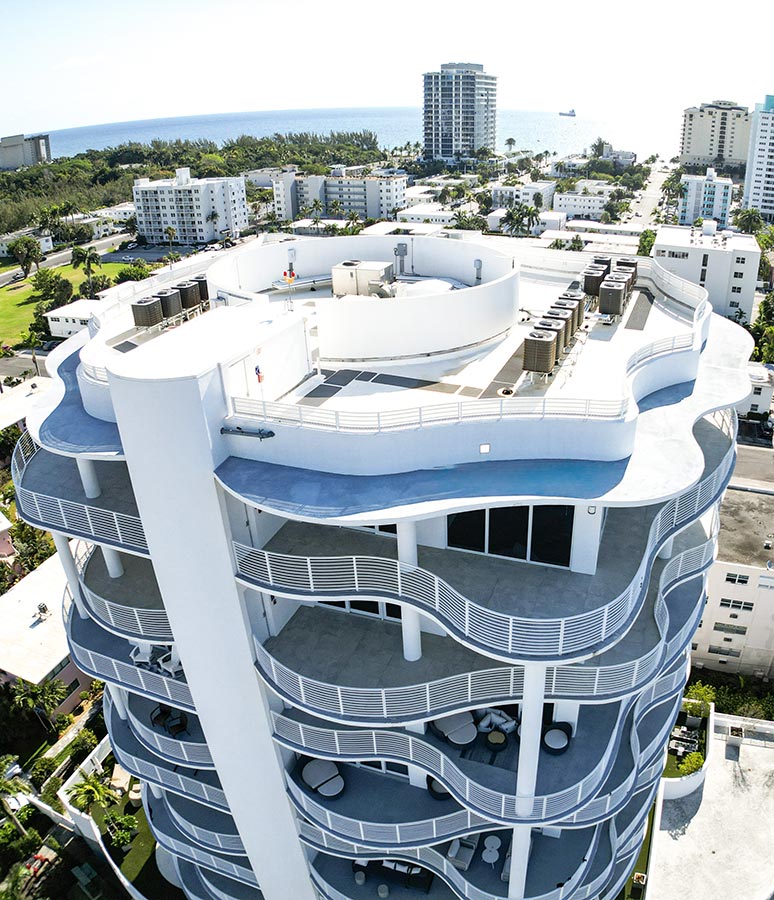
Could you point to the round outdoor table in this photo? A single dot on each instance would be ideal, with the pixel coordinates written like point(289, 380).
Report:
point(492, 842)
point(490, 856)
point(496, 740)
point(556, 739)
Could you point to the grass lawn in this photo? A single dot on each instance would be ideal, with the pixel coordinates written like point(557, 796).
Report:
point(17, 306)
point(7, 263)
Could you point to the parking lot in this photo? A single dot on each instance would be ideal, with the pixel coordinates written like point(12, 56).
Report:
point(150, 253)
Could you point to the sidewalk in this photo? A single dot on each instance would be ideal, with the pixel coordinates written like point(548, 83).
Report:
point(73, 731)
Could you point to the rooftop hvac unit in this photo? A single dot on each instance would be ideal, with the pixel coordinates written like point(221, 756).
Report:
point(566, 317)
point(625, 275)
point(170, 303)
point(576, 307)
point(557, 328)
point(189, 294)
point(592, 278)
point(540, 351)
point(147, 312)
point(612, 298)
point(204, 291)
point(628, 262)
point(605, 261)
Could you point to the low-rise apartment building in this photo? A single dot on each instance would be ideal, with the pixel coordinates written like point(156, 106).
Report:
point(726, 263)
point(705, 197)
point(199, 209)
point(587, 200)
point(69, 319)
point(761, 390)
point(510, 194)
point(16, 150)
point(45, 240)
point(370, 196)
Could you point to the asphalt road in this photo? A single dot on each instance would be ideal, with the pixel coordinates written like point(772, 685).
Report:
point(754, 463)
point(63, 257)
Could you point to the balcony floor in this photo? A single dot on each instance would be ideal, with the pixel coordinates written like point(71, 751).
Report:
point(142, 708)
point(136, 588)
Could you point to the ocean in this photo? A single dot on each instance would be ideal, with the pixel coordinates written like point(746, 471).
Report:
point(534, 131)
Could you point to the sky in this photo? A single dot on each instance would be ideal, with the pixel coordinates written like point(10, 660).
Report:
point(85, 62)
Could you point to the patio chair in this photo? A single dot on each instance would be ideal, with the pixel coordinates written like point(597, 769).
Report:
point(556, 737)
point(177, 725)
point(160, 715)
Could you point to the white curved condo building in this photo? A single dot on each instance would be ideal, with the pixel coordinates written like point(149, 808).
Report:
point(378, 609)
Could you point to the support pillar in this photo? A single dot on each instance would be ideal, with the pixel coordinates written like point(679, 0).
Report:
point(410, 618)
point(117, 696)
point(567, 711)
point(88, 472)
point(666, 551)
point(113, 562)
point(157, 792)
point(71, 572)
point(521, 843)
point(417, 776)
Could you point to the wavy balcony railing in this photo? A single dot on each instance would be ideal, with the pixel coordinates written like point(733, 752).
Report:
point(120, 670)
point(438, 863)
point(144, 767)
point(187, 752)
point(131, 621)
point(484, 687)
point(210, 838)
point(487, 630)
point(79, 519)
point(223, 887)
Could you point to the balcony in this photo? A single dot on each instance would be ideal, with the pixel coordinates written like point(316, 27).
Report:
point(130, 605)
point(189, 748)
point(49, 494)
point(195, 784)
point(212, 829)
point(221, 887)
point(107, 656)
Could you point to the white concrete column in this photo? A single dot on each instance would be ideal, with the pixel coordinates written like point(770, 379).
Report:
point(71, 572)
point(88, 472)
point(113, 562)
point(117, 696)
point(410, 619)
point(521, 842)
point(586, 535)
point(417, 776)
point(666, 551)
point(567, 711)
point(157, 792)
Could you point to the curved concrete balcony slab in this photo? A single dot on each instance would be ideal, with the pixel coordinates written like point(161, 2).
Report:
point(196, 784)
point(107, 656)
point(129, 605)
point(67, 428)
point(212, 829)
point(49, 494)
point(221, 887)
point(189, 748)
point(172, 838)
point(190, 882)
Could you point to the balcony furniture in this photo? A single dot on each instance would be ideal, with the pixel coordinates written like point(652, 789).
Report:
point(383, 891)
point(496, 740)
point(437, 790)
point(556, 737)
point(458, 729)
point(120, 780)
point(141, 655)
point(492, 842)
point(405, 874)
point(160, 714)
point(360, 877)
point(135, 794)
point(170, 664)
point(462, 850)
point(496, 718)
point(323, 776)
point(490, 855)
point(177, 724)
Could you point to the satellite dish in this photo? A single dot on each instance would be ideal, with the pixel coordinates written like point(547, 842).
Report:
point(769, 565)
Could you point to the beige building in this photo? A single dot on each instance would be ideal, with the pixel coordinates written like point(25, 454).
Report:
point(17, 151)
point(715, 133)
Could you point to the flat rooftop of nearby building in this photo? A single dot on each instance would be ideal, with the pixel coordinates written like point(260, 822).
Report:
point(78, 309)
point(716, 842)
point(15, 403)
point(746, 525)
point(688, 236)
point(603, 242)
point(33, 645)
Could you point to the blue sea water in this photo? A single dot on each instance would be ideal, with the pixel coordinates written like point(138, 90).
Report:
point(394, 126)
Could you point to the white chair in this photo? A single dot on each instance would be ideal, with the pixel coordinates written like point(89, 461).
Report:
point(170, 663)
point(141, 654)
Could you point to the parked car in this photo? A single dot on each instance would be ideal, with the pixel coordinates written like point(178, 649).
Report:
point(127, 259)
point(18, 276)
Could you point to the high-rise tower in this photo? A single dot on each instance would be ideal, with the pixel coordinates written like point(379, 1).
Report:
point(460, 111)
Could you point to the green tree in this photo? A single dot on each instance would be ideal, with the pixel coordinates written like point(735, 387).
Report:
point(748, 221)
point(576, 244)
point(9, 786)
point(170, 232)
point(531, 217)
point(138, 270)
point(647, 240)
point(32, 545)
point(703, 695)
point(598, 147)
point(692, 763)
point(32, 340)
point(89, 790)
point(15, 885)
point(98, 284)
point(537, 200)
point(213, 217)
point(87, 257)
point(27, 252)
point(510, 143)
point(130, 225)
point(513, 220)
point(41, 770)
point(48, 219)
point(336, 209)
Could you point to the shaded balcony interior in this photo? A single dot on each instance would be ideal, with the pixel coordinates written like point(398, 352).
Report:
point(151, 715)
point(555, 857)
point(220, 886)
point(496, 769)
point(137, 588)
point(203, 819)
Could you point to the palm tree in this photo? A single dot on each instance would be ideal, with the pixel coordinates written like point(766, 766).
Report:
point(513, 220)
point(336, 209)
point(748, 220)
point(317, 208)
point(32, 340)
point(316, 219)
point(15, 883)
point(89, 790)
point(510, 143)
point(87, 257)
point(531, 217)
point(10, 785)
point(171, 258)
point(48, 218)
point(211, 217)
point(353, 218)
point(171, 233)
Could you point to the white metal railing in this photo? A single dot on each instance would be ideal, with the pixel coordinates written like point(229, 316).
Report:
point(201, 857)
point(176, 750)
point(67, 515)
point(149, 624)
point(431, 859)
point(122, 672)
point(229, 843)
point(405, 747)
point(485, 629)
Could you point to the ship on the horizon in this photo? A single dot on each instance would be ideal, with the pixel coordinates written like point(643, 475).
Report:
point(570, 112)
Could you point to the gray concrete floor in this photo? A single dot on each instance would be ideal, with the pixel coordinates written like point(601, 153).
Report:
point(136, 588)
point(142, 708)
point(717, 843)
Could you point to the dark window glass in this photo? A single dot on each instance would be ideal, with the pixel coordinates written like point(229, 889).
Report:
point(465, 530)
point(508, 528)
point(392, 610)
point(390, 529)
point(397, 768)
point(341, 603)
point(365, 606)
point(552, 534)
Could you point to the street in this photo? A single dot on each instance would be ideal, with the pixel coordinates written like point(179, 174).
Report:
point(63, 257)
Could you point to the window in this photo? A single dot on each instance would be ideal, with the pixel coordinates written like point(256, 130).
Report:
point(757, 391)
point(736, 290)
point(73, 686)
point(744, 605)
point(738, 274)
point(733, 578)
point(724, 651)
point(740, 260)
point(753, 407)
point(694, 647)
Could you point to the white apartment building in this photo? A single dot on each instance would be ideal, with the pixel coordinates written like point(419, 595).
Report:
point(759, 177)
point(199, 209)
point(370, 196)
point(716, 133)
point(587, 200)
point(73, 317)
point(621, 159)
point(726, 263)
point(118, 213)
point(761, 395)
point(17, 150)
point(460, 111)
point(736, 633)
point(44, 240)
point(509, 195)
point(706, 197)
point(361, 629)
